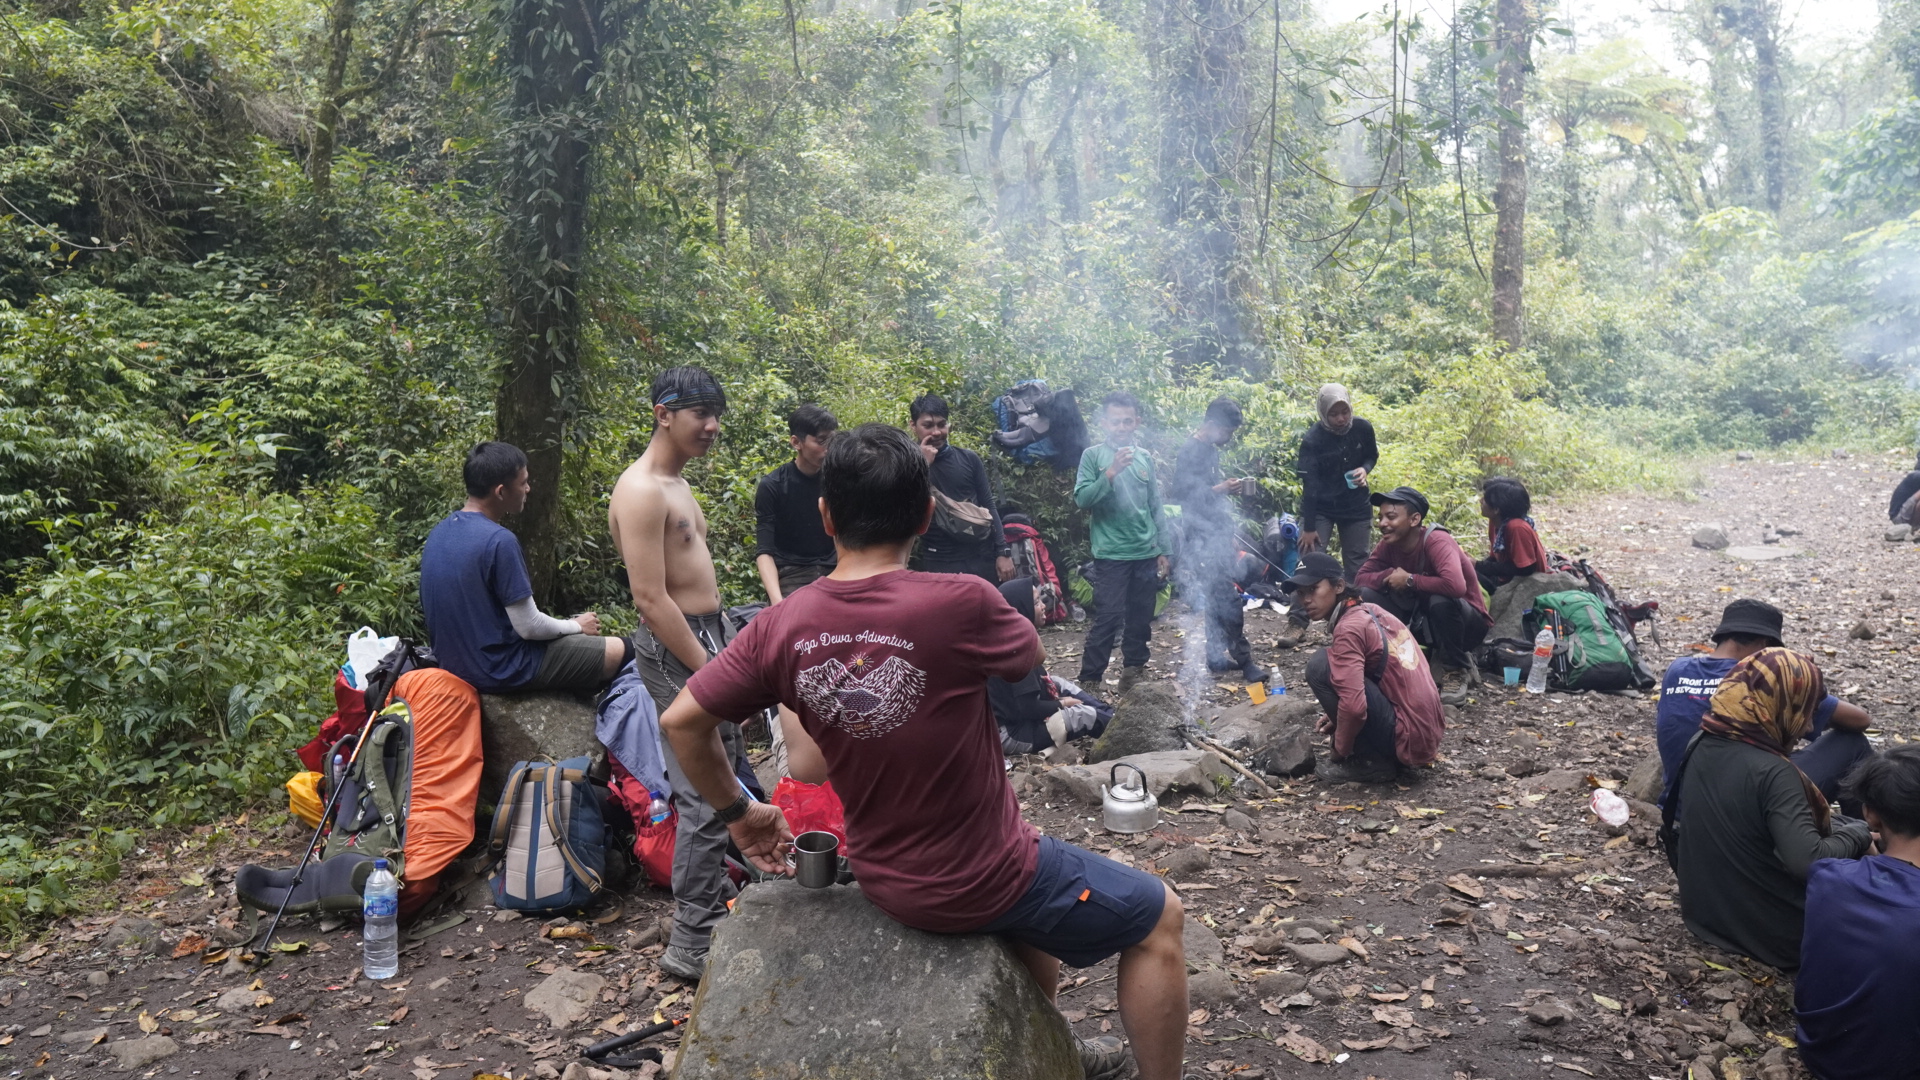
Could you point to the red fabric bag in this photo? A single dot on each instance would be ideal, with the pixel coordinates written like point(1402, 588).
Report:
point(349, 716)
point(652, 844)
point(811, 808)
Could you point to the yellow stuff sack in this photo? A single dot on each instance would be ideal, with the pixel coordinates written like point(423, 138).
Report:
point(303, 797)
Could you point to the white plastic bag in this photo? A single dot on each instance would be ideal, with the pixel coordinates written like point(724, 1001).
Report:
point(365, 650)
point(1609, 807)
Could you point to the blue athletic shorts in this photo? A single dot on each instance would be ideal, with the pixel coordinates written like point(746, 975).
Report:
point(1082, 908)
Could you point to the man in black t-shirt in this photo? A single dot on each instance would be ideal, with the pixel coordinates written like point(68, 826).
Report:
point(790, 547)
point(959, 476)
point(1205, 572)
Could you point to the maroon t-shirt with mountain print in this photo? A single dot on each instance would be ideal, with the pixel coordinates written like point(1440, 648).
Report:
point(888, 674)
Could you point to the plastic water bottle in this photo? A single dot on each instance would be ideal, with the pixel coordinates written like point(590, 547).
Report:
point(1542, 659)
point(380, 930)
point(339, 772)
point(1276, 685)
point(657, 810)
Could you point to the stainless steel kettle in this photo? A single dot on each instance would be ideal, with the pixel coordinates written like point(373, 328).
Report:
point(1126, 805)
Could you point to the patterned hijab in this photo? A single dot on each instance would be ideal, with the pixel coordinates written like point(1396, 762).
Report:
point(1767, 701)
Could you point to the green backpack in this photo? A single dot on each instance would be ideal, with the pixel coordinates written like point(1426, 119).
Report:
point(371, 818)
point(1589, 654)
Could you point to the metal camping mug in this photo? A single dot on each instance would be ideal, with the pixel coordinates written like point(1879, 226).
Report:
point(815, 859)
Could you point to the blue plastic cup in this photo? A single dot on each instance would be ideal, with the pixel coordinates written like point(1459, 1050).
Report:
point(1511, 676)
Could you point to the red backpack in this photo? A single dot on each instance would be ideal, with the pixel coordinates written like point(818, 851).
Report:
point(1032, 559)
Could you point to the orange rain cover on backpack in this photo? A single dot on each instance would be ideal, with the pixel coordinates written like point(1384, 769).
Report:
point(446, 777)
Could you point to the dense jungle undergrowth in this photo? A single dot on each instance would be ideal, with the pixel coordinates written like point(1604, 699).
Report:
point(267, 267)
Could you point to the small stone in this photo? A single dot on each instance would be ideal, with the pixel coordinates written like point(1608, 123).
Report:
point(1185, 862)
point(1743, 455)
point(140, 1053)
point(1307, 935)
point(1236, 821)
point(1493, 773)
point(1312, 956)
point(1279, 984)
point(97, 978)
point(1643, 1004)
point(1703, 1068)
point(1741, 1037)
point(1840, 455)
point(1212, 988)
point(1550, 1012)
point(84, 1036)
point(1201, 945)
point(574, 1071)
point(1270, 945)
point(1520, 768)
point(238, 999)
point(127, 932)
point(565, 996)
point(1710, 537)
point(1897, 532)
point(1646, 781)
point(1153, 845)
point(545, 1071)
point(1862, 631)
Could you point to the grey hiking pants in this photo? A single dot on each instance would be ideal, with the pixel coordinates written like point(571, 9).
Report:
point(701, 888)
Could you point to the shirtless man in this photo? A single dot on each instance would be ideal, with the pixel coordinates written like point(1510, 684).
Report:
point(661, 535)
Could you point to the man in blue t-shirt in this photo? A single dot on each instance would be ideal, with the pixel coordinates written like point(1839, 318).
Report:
point(1857, 994)
point(1746, 627)
point(478, 601)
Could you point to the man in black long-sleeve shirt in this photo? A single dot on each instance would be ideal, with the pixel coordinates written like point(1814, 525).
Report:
point(791, 547)
point(1337, 455)
point(1207, 547)
point(961, 476)
point(1903, 493)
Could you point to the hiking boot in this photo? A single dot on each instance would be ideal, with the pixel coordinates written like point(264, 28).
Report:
point(1129, 676)
point(1291, 637)
point(1357, 770)
point(1454, 685)
point(685, 964)
point(1253, 673)
point(1103, 1057)
point(1217, 664)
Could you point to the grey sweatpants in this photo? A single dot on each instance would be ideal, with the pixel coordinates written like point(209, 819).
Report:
point(700, 885)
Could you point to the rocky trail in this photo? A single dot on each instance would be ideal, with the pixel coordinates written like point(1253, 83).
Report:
point(1480, 922)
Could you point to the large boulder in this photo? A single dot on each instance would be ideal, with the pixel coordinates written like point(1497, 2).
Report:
point(817, 982)
point(1511, 601)
point(1149, 718)
point(1196, 771)
point(1252, 727)
point(530, 727)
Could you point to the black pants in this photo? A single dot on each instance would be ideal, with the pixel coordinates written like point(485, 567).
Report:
point(1206, 579)
point(1494, 573)
point(1448, 627)
point(1124, 591)
point(1828, 759)
point(1376, 738)
point(979, 565)
point(1354, 536)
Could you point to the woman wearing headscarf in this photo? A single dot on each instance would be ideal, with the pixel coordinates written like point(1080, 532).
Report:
point(1749, 823)
point(1337, 455)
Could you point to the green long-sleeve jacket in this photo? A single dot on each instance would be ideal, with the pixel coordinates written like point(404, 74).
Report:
point(1125, 510)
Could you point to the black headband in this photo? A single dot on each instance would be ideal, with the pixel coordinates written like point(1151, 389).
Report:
point(709, 396)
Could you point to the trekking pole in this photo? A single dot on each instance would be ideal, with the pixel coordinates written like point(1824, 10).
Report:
point(261, 954)
point(598, 1051)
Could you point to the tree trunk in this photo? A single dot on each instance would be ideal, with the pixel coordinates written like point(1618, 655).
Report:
point(1515, 35)
point(1066, 185)
point(553, 50)
point(1754, 20)
point(1201, 52)
point(326, 117)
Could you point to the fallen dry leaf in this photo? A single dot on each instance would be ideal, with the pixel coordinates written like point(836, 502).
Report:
point(147, 1023)
point(1393, 1015)
point(189, 945)
point(1401, 996)
point(1367, 1044)
point(1353, 946)
point(1466, 886)
point(1304, 1048)
point(1198, 1016)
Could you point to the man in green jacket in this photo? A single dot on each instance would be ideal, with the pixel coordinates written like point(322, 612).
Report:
point(1116, 486)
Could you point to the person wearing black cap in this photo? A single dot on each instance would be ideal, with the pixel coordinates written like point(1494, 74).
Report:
point(1419, 573)
point(1904, 505)
point(1382, 707)
point(1746, 627)
point(1040, 713)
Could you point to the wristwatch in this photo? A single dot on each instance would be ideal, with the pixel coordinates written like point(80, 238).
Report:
point(733, 811)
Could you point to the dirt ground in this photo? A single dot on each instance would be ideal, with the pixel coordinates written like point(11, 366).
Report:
point(1494, 927)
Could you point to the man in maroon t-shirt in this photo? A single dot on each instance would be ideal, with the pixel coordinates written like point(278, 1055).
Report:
point(1419, 573)
point(887, 672)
